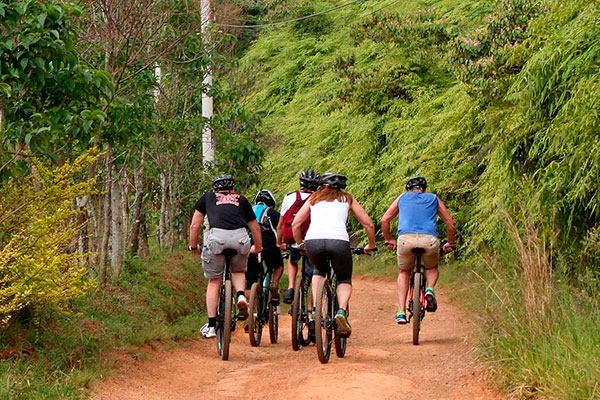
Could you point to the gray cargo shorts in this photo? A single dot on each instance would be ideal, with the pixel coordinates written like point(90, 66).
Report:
point(213, 260)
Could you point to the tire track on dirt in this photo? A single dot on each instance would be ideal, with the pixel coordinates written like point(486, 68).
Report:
point(380, 362)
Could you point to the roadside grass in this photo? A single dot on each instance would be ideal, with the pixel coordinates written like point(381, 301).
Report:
point(158, 299)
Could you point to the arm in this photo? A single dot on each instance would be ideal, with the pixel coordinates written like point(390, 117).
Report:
point(389, 215)
point(197, 221)
point(364, 219)
point(447, 218)
point(256, 236)
point(299, 219)
point(280, 243)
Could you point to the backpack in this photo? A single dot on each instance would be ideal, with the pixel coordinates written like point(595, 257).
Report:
point(260, 211)
point(288, 218)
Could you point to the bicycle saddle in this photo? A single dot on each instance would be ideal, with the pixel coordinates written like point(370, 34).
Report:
point(229, 252)
point(418, 250)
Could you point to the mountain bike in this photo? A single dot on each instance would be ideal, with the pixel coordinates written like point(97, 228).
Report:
point(226, 310)
point(262, 310)
point(416, 294)
point(301, 306)
point(326, 330)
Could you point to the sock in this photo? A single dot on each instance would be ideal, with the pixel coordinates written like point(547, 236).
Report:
point(429, 289)
point(212, 322)
point(240, 293)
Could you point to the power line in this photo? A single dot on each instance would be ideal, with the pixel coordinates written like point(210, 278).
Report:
point(287, 21)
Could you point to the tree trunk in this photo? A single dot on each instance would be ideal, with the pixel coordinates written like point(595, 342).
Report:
point(116, 260)
point(125, 212)
point(137, 205)
point(144, 246)
point(105, 218)
point(164, 202)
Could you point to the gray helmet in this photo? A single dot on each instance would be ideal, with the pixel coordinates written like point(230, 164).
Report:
point(416, 182)
point(334, 180)
point(223, 182)
point(265, 196)
point(309, 179)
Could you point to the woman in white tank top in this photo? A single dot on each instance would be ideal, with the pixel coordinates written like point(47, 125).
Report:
point(327, 238)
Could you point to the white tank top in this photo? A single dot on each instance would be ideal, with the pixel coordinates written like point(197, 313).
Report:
point(328, 221)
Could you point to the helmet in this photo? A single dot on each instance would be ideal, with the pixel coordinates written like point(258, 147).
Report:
point(223, 182)
point(309, 179)
point(334, 180)
point(265, 196)
point(416, 182)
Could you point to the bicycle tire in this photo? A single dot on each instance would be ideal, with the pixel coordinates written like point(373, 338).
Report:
point(273, 321)
point(417, 308)
point(323, 321)
point(254, 322)
point(228, 320)
point(297, 322)
point(220, 322)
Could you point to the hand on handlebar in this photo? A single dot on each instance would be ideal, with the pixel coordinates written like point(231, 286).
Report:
point(390, 244)
point(370, 248)
point(282, 246)
point(255, 250)
point(448, 248)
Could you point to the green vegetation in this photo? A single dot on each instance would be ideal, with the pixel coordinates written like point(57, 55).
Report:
point(496, 103)
point(158, 298)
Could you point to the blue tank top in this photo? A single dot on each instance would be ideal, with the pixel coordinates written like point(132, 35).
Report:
point(417, 213)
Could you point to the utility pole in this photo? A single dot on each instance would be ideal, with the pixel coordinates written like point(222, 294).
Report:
point(208, 140)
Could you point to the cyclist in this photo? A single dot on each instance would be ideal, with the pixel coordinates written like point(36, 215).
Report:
point(268, 219)
point(230, 216)
point(327, 239)
point(417, 213)
point(292, 202)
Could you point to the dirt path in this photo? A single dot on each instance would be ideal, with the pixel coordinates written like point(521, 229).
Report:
point(380, 363)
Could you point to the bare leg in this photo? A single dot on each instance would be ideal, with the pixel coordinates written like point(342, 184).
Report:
point(239, 280)
point(432, 276)
point(212, 296)
point(292, 271)
point(277, 275)
point(403, 284)
point(315, 284)
point(344, 291)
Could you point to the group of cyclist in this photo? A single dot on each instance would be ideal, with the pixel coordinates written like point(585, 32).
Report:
point(312, 221)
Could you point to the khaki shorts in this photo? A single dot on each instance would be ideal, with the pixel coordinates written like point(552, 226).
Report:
point(408, 241)
point(213, 260)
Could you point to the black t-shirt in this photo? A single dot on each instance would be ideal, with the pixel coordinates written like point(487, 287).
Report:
point(268, 236)
point(226, 210)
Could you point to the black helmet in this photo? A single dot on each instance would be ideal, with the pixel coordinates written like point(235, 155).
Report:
point(334, 180)
point(309, 179)
point(416, 182)
point(265, 196)
point(223, 182)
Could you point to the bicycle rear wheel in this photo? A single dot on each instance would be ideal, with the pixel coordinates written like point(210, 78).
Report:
point(299, 326)
point(224, 320)
point(273, 321)
point(324, 321)
point(417, 307)
point(255, 325)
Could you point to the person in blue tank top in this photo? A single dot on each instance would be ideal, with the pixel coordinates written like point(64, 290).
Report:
point(417, 213)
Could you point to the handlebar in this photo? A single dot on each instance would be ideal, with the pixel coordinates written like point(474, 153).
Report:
point(361, 250)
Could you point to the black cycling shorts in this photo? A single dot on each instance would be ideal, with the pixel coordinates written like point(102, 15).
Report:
point(295, 255)
point(272, 259)
point(322, 252)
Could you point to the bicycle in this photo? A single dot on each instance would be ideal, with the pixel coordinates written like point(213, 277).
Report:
point(301, 330)
point(416, 293)
point(262, 310)
point(226, 310)
point(326, 330)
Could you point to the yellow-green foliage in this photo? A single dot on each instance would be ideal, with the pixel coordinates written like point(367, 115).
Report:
point(37, 225)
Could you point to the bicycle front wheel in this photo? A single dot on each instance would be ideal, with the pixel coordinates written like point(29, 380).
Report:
point(417, 307)
point(254, 319)
point(228, 320)
point(340, 341)
point(298, 311)
point(273, 321)
point(324, 321)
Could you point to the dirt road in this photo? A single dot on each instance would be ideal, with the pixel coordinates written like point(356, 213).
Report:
point(380, 363)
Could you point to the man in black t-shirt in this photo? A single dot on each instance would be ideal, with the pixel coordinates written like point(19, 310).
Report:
point(230, 216)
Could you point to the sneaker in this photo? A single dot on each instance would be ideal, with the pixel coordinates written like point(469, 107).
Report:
point(274, 294)
point(208, 331)
point(242, 305)
point(341, 319)
point(431, 302)
point(401, 318)
point(288, 298)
